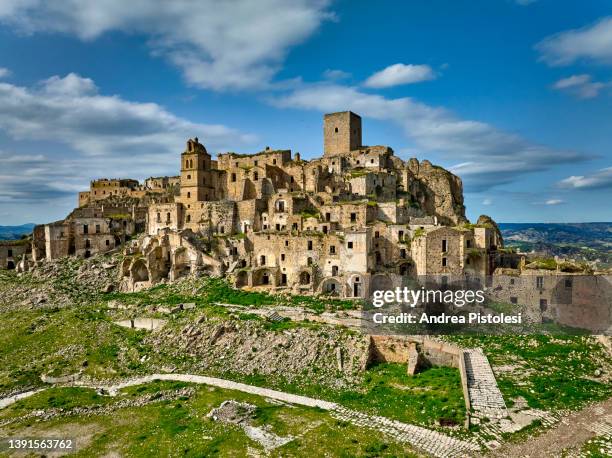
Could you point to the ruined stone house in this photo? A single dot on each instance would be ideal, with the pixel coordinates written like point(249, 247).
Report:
point(12, 251)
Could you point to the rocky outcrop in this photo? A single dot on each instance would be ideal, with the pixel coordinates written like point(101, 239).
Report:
point(436, 191)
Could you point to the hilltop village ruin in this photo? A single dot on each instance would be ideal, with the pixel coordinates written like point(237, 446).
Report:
point(356, 220)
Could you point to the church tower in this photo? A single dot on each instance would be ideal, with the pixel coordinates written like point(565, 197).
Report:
point(196, 179)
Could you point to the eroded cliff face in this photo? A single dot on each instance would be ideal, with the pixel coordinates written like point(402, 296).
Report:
point(436, 190)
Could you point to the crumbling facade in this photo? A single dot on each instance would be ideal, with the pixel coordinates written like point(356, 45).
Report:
point(12, 252)
point(103, 188)
point(356, 220)
point(353, 221)
point(87, 231)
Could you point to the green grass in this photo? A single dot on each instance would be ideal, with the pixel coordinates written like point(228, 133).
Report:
point(64, 341)
point(65, 398)
point(387, 390)
point(182, 428)
point(551, 372)
point(597, 447)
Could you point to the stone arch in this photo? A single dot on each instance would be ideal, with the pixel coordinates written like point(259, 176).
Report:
point(157, 263)
point(405, 268)
point(181, 264)
point(125, 267)
point(331, 286)
point(381, 282)
point(305, 278)
point(263, 277)
point(242, 278)
point(139, 271)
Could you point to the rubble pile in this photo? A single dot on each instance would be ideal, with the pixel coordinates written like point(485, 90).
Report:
point(59, 283)
point(334, 357)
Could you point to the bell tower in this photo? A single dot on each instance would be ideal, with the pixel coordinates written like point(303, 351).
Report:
point(195, 173)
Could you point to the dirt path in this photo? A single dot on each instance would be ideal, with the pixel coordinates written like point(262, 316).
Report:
point(572, 431)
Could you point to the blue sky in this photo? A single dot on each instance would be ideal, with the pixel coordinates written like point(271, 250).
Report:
point(515, 96)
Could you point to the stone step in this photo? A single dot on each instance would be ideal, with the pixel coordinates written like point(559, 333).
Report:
point(485, 397)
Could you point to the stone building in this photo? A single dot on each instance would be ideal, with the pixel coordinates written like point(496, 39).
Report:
point(87, 231)
point(353, 221)
point(104, 188)
point(12, 251)
point(356, 220)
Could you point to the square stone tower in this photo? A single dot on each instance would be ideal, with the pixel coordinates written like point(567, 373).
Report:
point(195, 174)
point(341, 132)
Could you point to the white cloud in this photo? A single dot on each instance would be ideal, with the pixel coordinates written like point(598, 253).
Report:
point(71, 111)
point(331, 74)
point(593, 42)
point(581, 86)
point(398, 74)
point(487, 201)
point(35, 178)
point(486, 156)
point(554, 202)
point(218, 45)
point(88, 135)
point(4, 72)
point(598, 180)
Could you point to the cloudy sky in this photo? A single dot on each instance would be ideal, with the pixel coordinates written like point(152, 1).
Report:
point(515, 96)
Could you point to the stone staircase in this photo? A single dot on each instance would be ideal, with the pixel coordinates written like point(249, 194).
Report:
point(485, 398)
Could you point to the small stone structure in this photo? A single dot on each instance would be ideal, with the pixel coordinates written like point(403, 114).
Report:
point(12, 252)
point(149, 324)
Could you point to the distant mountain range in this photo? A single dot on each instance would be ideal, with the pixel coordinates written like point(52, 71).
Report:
point(581, 241)
point(15, 232)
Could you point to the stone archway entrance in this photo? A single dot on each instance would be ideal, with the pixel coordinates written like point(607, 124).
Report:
point(242, 279)
point(139, 271)
point(405, 268)
point(332, 287)
point(263, 277)
point(381, 282)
